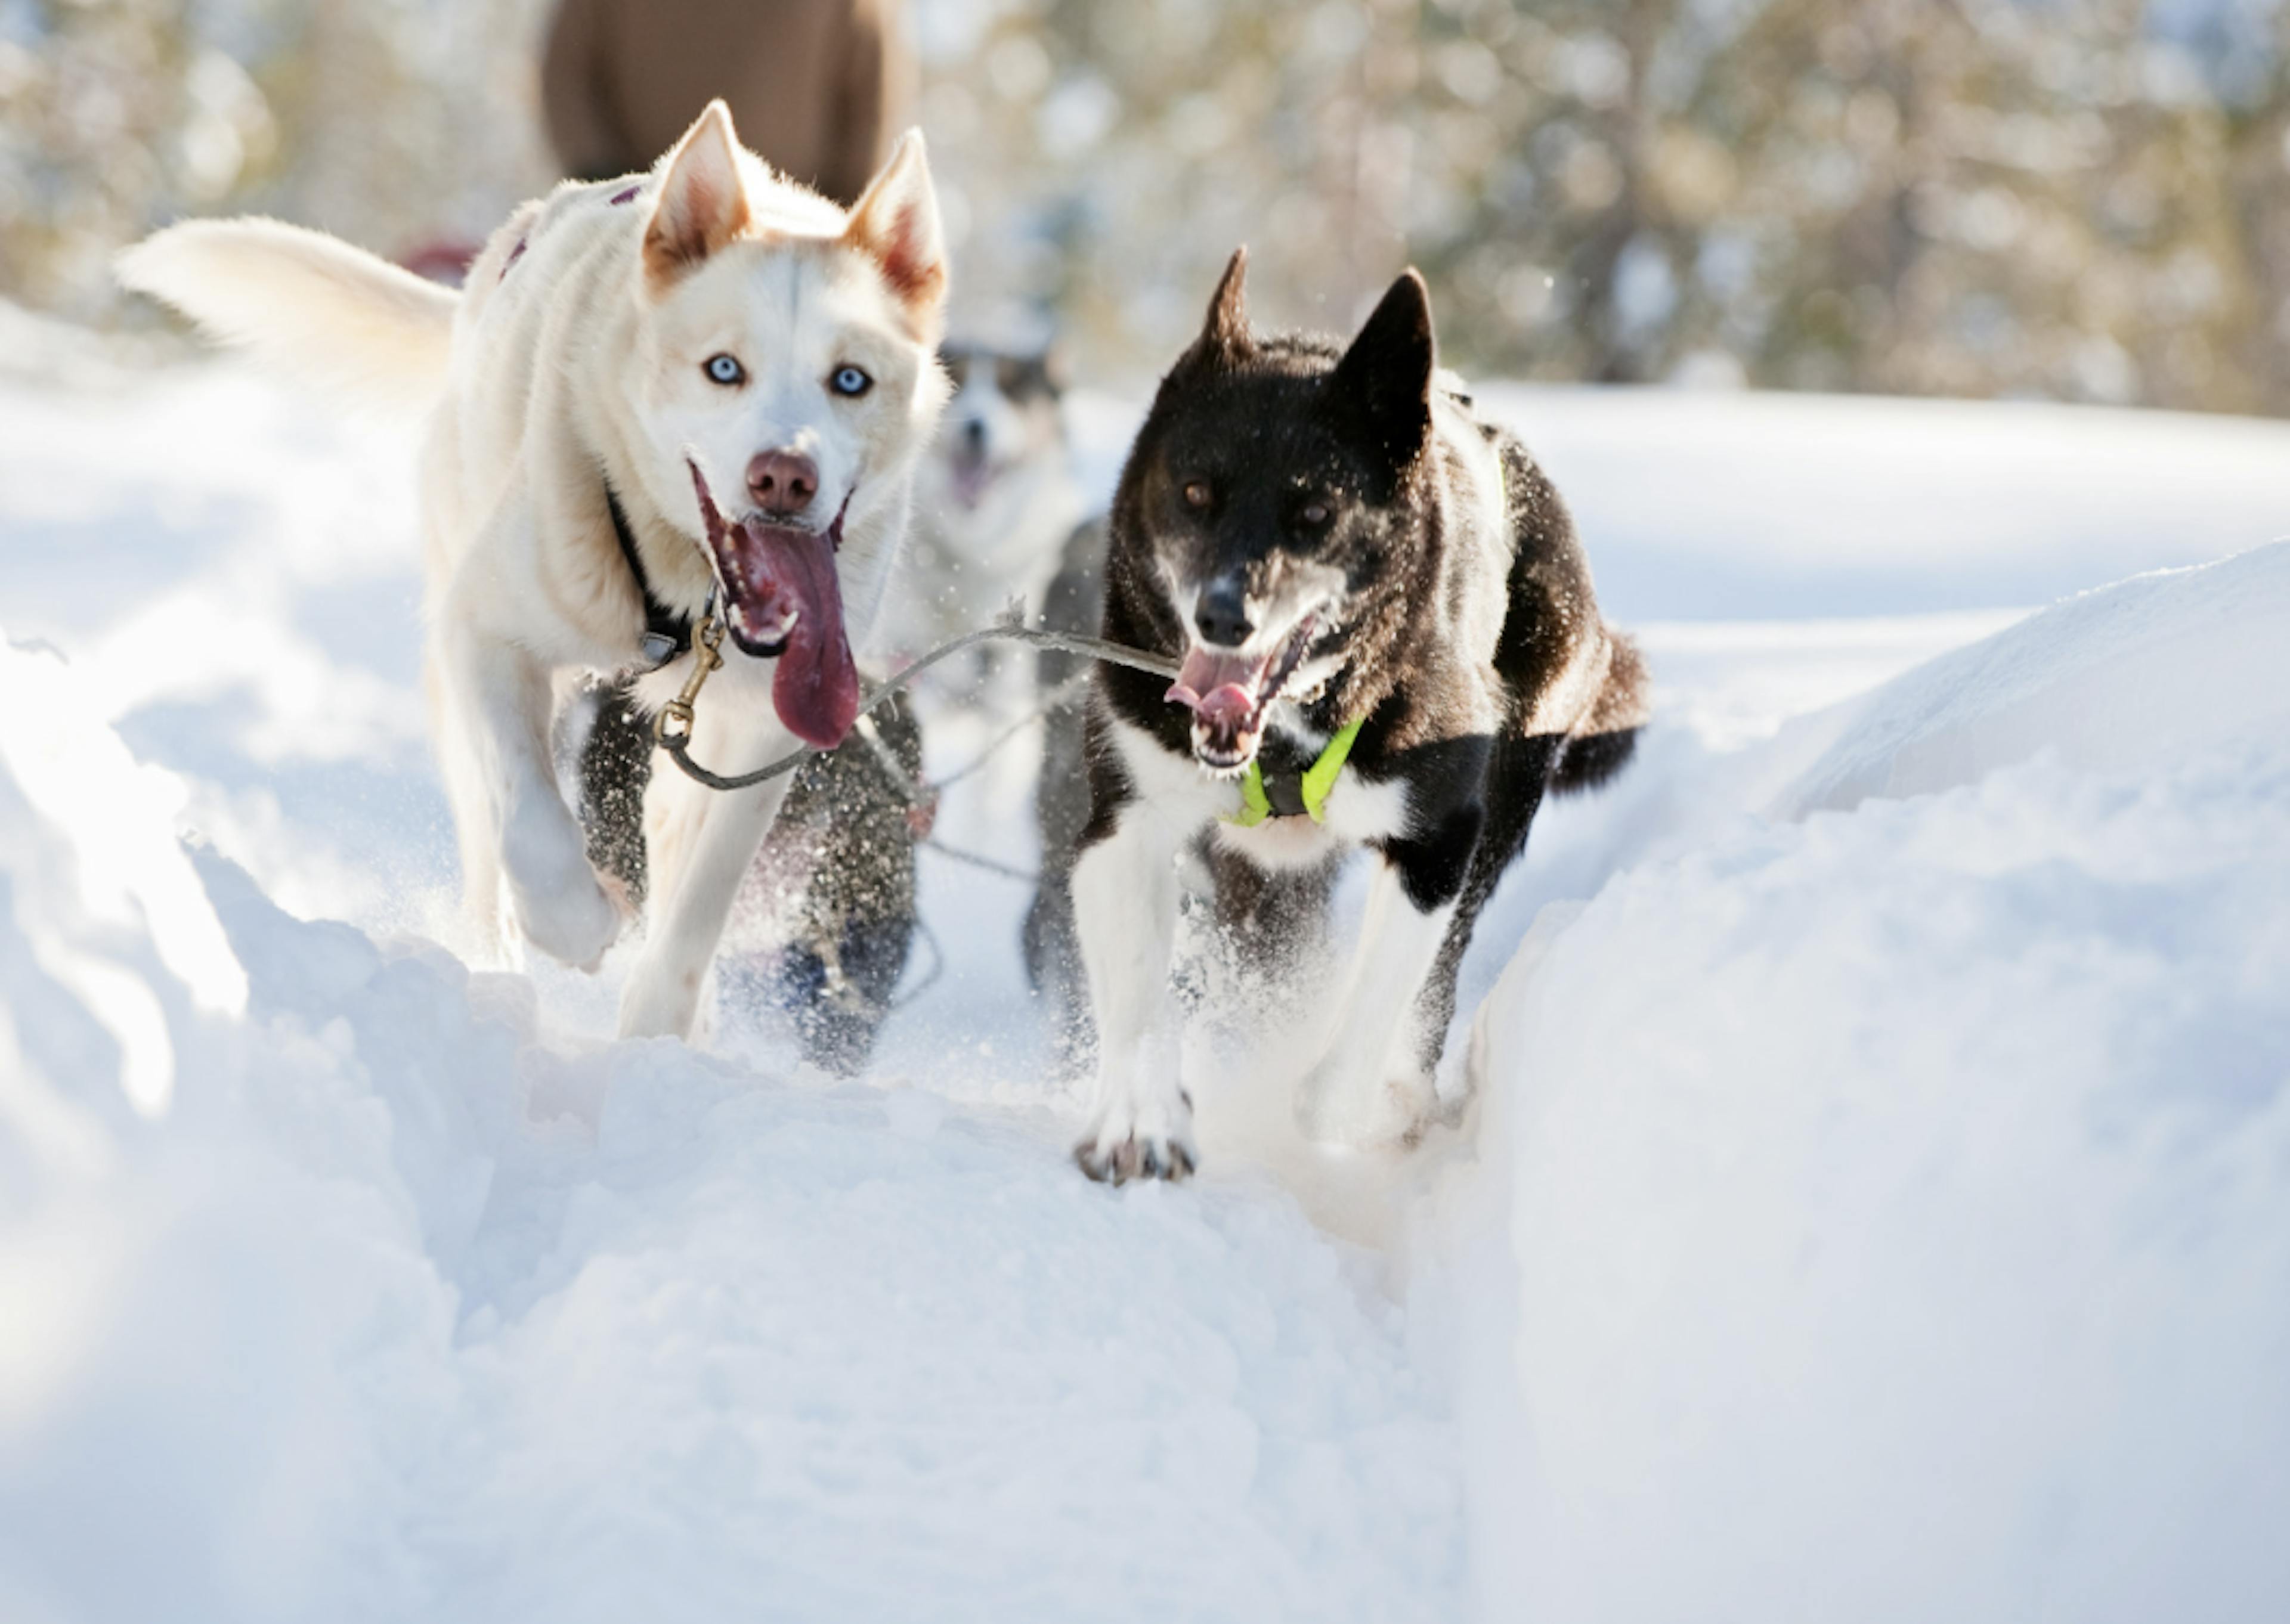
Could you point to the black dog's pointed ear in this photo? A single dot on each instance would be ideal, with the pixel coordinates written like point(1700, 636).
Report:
point(1385, 381)
point(1224, 336)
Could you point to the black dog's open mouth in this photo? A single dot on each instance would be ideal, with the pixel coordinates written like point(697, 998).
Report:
point(1228, 693)
point(784, 600)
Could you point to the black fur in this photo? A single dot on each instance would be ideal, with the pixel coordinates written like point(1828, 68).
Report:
point(1268, 426)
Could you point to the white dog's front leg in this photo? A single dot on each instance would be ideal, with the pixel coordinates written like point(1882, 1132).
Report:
point(1124, 898)
point(698, 844)
point(501, 701)
point(1369, 1086)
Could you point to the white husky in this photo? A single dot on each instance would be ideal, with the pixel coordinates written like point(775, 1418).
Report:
point(704, 380)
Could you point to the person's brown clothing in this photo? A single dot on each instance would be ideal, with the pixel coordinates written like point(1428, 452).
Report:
point(814, 85)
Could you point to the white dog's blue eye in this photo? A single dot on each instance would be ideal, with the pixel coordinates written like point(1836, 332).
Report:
point(723, 369)
point(850, 381)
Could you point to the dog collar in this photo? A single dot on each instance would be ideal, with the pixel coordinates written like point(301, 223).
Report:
point(1302, 794)
point(666, 635)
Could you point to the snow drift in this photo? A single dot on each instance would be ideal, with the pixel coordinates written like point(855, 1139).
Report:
point(1900, 1196)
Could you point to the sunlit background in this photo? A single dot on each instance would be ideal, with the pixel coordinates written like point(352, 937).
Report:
point(2082, 200)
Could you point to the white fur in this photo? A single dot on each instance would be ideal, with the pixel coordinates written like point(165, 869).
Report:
point(574, 356)
point(1125, 895)
point(1364, 1087)
point(1369, 1087)
point(308, 305)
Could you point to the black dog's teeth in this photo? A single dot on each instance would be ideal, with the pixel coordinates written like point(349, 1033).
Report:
point(1291, 656)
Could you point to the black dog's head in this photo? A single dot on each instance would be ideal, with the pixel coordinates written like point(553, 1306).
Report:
point(1273, 511)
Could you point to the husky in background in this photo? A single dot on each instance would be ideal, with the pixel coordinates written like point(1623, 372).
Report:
point(705, 384)
point(994, 503)
point(1387, 638)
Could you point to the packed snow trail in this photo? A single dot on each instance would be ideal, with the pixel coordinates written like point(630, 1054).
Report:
point(391, 1309)
point(1877, 1206)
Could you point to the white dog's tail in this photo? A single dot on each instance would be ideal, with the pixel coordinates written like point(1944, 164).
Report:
point(308, 305)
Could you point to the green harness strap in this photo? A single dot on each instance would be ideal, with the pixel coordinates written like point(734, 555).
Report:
point(1319, 779)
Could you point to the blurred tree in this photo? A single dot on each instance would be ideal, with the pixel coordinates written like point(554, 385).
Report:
point(392, 122)
point(2083, 199)
point(2079, 199)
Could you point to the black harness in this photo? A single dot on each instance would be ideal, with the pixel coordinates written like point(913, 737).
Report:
point(666, 635)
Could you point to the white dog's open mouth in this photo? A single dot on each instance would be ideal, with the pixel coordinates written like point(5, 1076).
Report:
point(1228, 693)
point(783, 600)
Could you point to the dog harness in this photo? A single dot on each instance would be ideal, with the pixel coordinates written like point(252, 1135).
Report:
point(1297, 795)
point(666, 635)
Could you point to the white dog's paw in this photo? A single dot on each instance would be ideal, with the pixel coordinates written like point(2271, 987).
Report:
point(661, 1000)
point(560, 907)
point(1340, 1104)
point(1134, 1138)
point(575, 925)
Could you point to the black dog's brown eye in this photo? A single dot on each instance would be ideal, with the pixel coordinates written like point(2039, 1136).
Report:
point(1196, 495)
point(1315, 514)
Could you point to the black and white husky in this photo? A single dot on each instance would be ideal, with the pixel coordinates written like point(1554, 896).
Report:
point(1388, 639)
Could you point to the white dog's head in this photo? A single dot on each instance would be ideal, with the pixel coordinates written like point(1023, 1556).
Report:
point(787, 369)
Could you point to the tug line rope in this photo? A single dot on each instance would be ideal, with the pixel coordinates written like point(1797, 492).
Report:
point(671, 730)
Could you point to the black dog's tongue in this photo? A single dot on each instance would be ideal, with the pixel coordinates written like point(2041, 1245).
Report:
point(1219, 686)
point(1220, 689)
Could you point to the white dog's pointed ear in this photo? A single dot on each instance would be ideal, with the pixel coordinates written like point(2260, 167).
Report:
point(1225, 337)
point(702, 203)
point(895, 224)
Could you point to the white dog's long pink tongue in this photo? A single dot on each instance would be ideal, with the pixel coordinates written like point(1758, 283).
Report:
point(816, 688)
point(786, 602)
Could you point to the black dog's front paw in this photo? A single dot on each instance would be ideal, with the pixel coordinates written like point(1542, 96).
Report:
point(1150, 1156)
point(1152, 1141)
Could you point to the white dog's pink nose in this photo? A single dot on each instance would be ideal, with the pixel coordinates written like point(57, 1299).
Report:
point(782, 482)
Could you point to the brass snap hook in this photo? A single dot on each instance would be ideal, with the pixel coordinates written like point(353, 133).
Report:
point(673, 725)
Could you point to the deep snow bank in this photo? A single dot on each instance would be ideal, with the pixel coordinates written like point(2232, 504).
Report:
point(1900, 1197)
point(384, 1306)
point(2155, 669)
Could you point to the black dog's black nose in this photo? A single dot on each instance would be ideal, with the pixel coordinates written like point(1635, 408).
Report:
point(1222, 615)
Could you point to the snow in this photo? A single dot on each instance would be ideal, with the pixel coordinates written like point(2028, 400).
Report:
point(2163, 665)
point(1907, 1187)
point(401, 1309)
point(1876, 1202)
